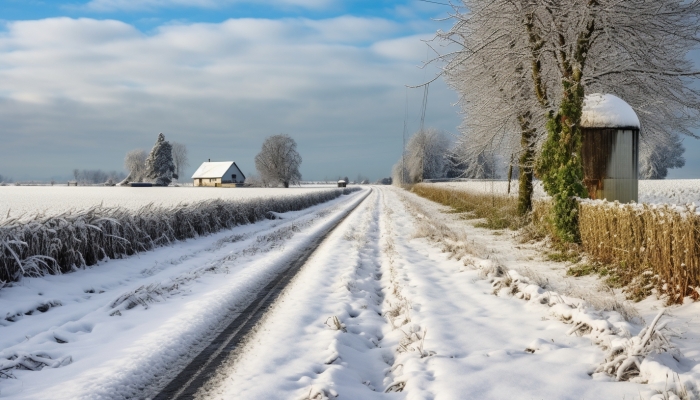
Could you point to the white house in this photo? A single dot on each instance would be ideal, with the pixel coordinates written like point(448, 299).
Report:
point(218, 173)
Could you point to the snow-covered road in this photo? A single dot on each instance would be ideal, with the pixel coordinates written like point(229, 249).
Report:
point(379, 311)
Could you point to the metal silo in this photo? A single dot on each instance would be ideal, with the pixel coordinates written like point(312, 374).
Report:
point(610, 151)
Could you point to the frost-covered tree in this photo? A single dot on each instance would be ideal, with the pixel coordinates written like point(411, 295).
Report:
point(530, 62)
point(399, 175)
point(135, 164)
point(471, 162)
point(278, 161)
point(159, 164)
point(656, 158)
point(180, 158)
point(491, 73)
point(426, 155)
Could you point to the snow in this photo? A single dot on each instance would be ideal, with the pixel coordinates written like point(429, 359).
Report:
point(52, 200)
point(607, 111)
point(673, 191)
point(662, 191)
point(401, 298)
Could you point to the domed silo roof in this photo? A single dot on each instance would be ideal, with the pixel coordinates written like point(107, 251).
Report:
point(607, 111)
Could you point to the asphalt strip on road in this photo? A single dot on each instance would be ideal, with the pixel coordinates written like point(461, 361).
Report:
point(196, 375)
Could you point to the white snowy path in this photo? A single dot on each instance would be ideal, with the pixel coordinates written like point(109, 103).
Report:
point(412, 320)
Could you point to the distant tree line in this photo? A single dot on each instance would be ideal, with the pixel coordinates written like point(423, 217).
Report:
point(96, 176)
point(431, 154)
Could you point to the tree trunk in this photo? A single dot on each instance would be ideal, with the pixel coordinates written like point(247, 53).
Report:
point(525, 164)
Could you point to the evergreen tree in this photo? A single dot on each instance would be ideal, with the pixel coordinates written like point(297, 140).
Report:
point(159, 164)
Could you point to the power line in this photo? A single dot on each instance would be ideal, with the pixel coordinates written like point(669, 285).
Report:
point(424, 106)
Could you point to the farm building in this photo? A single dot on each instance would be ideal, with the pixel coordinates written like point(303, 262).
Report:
point(610, 151)
point(218, 174)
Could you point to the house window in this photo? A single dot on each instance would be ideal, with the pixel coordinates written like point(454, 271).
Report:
point(211, 180)
point(233, 176)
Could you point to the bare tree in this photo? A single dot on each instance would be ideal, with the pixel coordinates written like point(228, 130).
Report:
point(491, 71)
point(426, 155)
point(135, 164)
point(279, 161)
point(657, 158)
point(180, 158)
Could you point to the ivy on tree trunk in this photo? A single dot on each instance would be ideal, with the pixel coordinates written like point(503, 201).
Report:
point(560, 165)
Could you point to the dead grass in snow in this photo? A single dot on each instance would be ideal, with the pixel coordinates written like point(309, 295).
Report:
point(497, 211)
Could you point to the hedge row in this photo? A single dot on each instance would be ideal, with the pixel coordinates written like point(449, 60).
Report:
point(58, 244)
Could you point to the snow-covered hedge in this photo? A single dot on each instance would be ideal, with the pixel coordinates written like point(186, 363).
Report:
point(654, 245)
point(61, 243)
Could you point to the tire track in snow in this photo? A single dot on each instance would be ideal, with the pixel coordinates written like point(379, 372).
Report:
point(322, 339)
point(202, 374)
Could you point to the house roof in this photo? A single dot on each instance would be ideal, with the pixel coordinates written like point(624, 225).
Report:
point(214, 169)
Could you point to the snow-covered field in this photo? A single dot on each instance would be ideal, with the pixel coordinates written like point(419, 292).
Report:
point(51, 200)
point(400, 301)
point(674, 191)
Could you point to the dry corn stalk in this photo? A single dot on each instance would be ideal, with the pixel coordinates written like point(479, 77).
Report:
point(659, 241)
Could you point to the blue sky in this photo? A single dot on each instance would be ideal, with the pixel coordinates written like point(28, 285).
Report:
point(149, 14)
point(83, 82)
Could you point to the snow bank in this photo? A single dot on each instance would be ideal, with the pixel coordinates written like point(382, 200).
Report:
point(607, 111)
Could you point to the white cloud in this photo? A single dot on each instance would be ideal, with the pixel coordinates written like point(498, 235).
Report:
point(410, 48)
point(88, 60)
point(137, 5)
point(219, 87)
